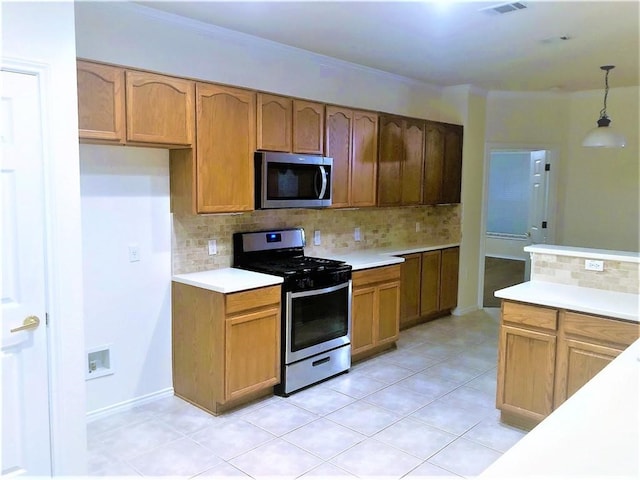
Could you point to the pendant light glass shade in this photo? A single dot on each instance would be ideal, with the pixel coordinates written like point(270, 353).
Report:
point(603, 135)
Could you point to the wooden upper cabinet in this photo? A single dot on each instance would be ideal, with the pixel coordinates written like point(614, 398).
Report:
point(339, 134)
point(289, 125)
point(400, 161)
point(364, 161)
point(101, 102)
point(308, 127)
point(413, 137)
point(160, 109)
point(351, 139)
point(452, 170)
point(226, 120)
point(274, 122)
point(443, 163)
point(390, 157)
point(433, 163)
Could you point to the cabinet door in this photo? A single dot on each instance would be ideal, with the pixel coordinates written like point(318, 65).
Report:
point(390, 156)
point(452, 169)
point(308, 127)
point(449, 278)
point(413, 136)
point(100, 102)
point(388, 326)
point(252, 352)
point(410, 281)
point(159, 109)
point(225, 147)
point(364, 163)
point(579, 362)
point(274, 122)
point(339, 147)
point(430, 283)
point(363, 317)
point(433, 163)
point(526, 368)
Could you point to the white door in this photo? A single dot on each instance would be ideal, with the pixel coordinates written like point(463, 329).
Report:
point(538, 197)
point(26, 448)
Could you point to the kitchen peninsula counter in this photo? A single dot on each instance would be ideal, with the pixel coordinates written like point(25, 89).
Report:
point(571, 297)
point(594, 434)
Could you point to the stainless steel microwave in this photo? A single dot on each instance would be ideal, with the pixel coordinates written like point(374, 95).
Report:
point(286, 180)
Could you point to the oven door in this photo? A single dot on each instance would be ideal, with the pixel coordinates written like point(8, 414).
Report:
point(317, 321)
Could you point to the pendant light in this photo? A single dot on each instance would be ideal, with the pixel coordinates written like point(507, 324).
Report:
point(604, 135)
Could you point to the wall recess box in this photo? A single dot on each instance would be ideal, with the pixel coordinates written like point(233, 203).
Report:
point(99, 362)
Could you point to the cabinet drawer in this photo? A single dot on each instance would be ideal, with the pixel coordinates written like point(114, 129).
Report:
point(249, 299)
point(530, 315)
point(601, 329)
point(375, 275)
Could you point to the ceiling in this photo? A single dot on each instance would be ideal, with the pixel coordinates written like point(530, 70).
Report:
point(549, 45)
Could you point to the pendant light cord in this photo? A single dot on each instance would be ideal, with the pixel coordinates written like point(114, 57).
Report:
point(603, 112)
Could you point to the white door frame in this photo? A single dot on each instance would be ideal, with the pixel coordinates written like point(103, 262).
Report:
point(552, 159)
point(67, 406)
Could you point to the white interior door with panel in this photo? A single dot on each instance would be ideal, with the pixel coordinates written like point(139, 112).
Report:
point(26, 447)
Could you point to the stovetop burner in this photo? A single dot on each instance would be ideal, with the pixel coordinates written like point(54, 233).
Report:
point(293, 265)
point(281, 252)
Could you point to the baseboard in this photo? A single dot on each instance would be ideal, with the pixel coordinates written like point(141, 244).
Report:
point(464, 310)
point(128, 404)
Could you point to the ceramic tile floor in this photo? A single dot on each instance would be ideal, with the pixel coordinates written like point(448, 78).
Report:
point(424, 409)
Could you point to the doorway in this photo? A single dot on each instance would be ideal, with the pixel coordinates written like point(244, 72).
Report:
point(515, 215)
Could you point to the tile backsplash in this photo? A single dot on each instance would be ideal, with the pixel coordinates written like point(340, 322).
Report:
point(379, 228)
point(617, 276)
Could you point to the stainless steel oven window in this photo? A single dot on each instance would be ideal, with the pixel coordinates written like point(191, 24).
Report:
point(317, 321)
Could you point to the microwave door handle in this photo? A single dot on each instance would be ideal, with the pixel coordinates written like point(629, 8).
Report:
point(323, 188)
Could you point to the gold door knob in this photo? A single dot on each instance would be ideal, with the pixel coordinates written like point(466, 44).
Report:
point(28, 323)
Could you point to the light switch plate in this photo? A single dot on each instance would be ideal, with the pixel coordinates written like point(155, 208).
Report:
point(134, 253)
point(213, 247)
point(356, 234)
point(316, 237)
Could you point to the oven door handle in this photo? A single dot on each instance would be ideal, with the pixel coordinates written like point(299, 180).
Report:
point(323, 187)
point(320, 291)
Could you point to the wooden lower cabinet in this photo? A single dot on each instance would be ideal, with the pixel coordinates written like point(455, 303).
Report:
point(375, 310)
point(587, 344)
point(429, 285)
point(226, 348)
point(526, 366)
point(545, 355)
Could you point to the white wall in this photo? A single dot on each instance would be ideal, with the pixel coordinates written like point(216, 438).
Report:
point(44, 33)
point(135, 36)
point(125, 201)
point(600, 203)
point(597, 202)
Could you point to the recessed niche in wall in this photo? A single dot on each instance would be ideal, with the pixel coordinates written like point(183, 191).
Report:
point(99, 362)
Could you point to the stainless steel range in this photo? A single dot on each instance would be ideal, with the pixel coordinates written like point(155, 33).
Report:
point(316, 304)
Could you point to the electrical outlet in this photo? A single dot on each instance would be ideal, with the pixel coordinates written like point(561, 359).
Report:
point(356, 234)
point(213, 247)
point(316, 237)
point(417, 227)
point(594, 265)
point(134, 253)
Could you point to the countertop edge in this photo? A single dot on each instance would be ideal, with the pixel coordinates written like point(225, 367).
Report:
point(607, 303)
point(583, 252)
point(227, 280)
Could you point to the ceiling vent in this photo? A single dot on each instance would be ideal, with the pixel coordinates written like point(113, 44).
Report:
point(504, 8)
